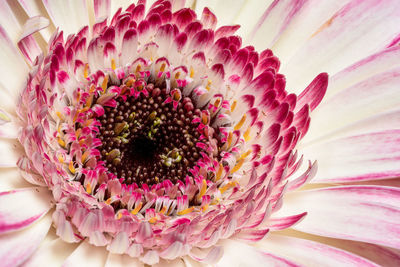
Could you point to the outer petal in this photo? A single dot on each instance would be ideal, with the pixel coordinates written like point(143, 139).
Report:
point(311, 253)
point(10, 179)
point(70, 16)
point(51, 254)
point(240, 254)
point(342, 40)
point(20, 208)
point(13, 66)
point(357, 158)
point(375, 95)
point(115, 260)
point(88, 254)
point(16, 247)
point(9, 153)
point(362, 213)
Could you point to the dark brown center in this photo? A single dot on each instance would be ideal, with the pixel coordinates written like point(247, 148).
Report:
point(145, 140)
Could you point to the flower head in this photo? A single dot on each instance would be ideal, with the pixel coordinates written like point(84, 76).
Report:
point(162, 138)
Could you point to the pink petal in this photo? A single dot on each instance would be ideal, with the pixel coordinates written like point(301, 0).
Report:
point(362, 213)
point(311, 253)
point(16, 247)
point(101, 8)
point(20, 208)
point(372, 96)
point(26, 43)
point(13, 67)
point(341, 40)
point(314, 93)
point(363, 157)
point(10, 151)
point(240, 254)
point(274, 21)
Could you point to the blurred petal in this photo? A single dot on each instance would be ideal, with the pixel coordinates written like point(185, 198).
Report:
point(51, 254)
point(311, 253)
point(16, 247)
point(349, 212)
point(92, 256)
point(20, 208)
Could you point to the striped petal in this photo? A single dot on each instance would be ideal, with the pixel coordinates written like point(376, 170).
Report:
point(240, 254)
point(362, 213)
point(309, 253)
point(51, 254)
point(16, 247)
point(357, 158)
point(20, 208)
point(342, 40)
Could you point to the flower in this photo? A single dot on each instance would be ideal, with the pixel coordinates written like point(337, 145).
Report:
point(152, 136)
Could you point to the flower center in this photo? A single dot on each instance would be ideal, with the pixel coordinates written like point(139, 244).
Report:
point(148, 138)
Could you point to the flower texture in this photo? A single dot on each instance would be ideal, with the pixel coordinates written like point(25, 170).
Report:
point(153, 134)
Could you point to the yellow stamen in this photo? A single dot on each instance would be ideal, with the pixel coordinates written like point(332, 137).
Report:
point(153, 220)
point(219, 172)
point(138, 68)
point(89, 102)
point(237, 166)
point(130, 82)
point(191, 72)
point(163, 210)
point(61, 142)
point(113, 65)
point(60, 159)
point(203, 189)
point(89, 188)
point(177, 75)
point(85, 155)
point(227, 186)
point(208, 86)
point(59, 115)
point(217, 102)
point(246, 134)
point(71, 167)
point(162, 67)
point(240, 123)
point(86, 71)
point(230, 137)
point(108, 201)
point(119, 216)
point(104, 84)
point(137, 209)
point(244, 155)
point(186, 211)
point(233, 105)
point(204, 208)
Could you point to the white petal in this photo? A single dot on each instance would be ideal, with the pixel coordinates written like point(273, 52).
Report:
point(16, 247)
point(13, 69)
point(375, 95)
point(308, 20)
point(357, 158)
point(20, 208)
point(10, 178)
point(354, 32)
point(311, 253)
point(240, 254)
point(115, 260)
point(91, 256)
point(8, 21)
point(225, 16)
point(51, 254)
point(36, 8)
point(362, 213)
point(10, 152)
point(70, 16)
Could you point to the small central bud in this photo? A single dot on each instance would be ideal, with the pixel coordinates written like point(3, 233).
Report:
point(147, 139)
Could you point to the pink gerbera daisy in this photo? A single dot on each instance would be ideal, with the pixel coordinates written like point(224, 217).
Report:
point(153, 134)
